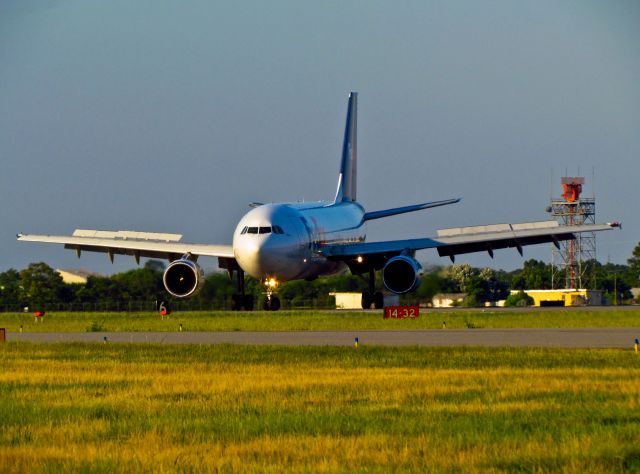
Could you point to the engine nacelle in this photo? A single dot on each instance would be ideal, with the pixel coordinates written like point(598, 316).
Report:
point(401, 274)
point(183, 278)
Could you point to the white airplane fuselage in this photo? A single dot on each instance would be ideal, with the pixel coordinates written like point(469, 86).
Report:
point(282, 241)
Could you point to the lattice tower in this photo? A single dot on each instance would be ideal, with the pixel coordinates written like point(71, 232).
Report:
point(571, 256)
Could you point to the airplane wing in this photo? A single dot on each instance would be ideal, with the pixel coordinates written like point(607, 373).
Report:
point(136, 244)
point(461, 240)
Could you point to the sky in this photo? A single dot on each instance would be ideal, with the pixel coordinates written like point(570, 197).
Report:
point(167, 116)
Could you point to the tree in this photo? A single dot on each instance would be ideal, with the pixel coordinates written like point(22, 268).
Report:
point(462, 275)
point(482, 285)
point(345, 282)
point(430, 286)
point(612, 279)
point(40, 284)
point(155, 265)
point(9, 287)
point(142, 284)
point(535, 274)
point(218, 288)
point(634, 267)
point(493, 286)
point(99, 289)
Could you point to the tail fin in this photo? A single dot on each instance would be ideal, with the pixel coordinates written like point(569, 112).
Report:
point(349, 165)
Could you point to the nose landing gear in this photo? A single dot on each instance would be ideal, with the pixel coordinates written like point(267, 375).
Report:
point(271, 302)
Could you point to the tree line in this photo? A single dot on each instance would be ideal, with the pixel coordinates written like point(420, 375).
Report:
point(39, 286)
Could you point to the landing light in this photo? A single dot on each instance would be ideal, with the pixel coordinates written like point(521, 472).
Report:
point(359, 259)
point(271, 282)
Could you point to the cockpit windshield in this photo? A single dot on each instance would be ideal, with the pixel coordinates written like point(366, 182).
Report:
point(276, 229)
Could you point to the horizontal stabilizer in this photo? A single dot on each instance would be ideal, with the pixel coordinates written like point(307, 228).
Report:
point(401, 210)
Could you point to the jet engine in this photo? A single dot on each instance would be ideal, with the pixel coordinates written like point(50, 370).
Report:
point(401, 274)
point(183, 278)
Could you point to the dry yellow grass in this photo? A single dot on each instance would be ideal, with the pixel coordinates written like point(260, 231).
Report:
point(232, 409)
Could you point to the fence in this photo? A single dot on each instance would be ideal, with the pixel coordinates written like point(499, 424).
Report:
point(225, 304)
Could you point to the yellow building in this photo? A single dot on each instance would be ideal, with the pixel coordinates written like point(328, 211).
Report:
point(75, 276)
point(570, 297)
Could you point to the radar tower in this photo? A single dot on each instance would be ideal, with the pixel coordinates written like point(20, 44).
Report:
point(571, 256)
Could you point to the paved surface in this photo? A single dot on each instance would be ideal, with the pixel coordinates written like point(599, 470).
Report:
point(585, 338)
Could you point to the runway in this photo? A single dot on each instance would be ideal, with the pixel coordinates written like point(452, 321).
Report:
point(569, 338)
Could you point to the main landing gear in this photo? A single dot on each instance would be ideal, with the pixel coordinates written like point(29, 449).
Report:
point(372, 297)
point(240, 299)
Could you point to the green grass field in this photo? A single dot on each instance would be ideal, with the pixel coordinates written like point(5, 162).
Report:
point(320, 320)
point(148, 408)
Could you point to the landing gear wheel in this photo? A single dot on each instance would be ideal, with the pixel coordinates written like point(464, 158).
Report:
point(240, 299)
point(242, 302)
point(271, 303)
point(275, 303)
point(378, 300)
point(248, 302)
point(367, 300)
point(236, 304)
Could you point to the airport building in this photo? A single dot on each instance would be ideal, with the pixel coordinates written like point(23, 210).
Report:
point(447, 300)
point(354, 300)
point(565, 297)
point(75, 275)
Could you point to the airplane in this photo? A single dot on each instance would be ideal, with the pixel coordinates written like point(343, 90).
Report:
point(281, 242)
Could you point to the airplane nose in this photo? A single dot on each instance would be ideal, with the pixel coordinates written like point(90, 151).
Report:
point(268, 255)
point(254, 255)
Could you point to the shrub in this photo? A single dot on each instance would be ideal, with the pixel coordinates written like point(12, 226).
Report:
point(95, 327)
point(470, 301)
point(519, 299)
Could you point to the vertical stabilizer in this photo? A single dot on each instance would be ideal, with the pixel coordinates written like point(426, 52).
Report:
point(349, 164)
